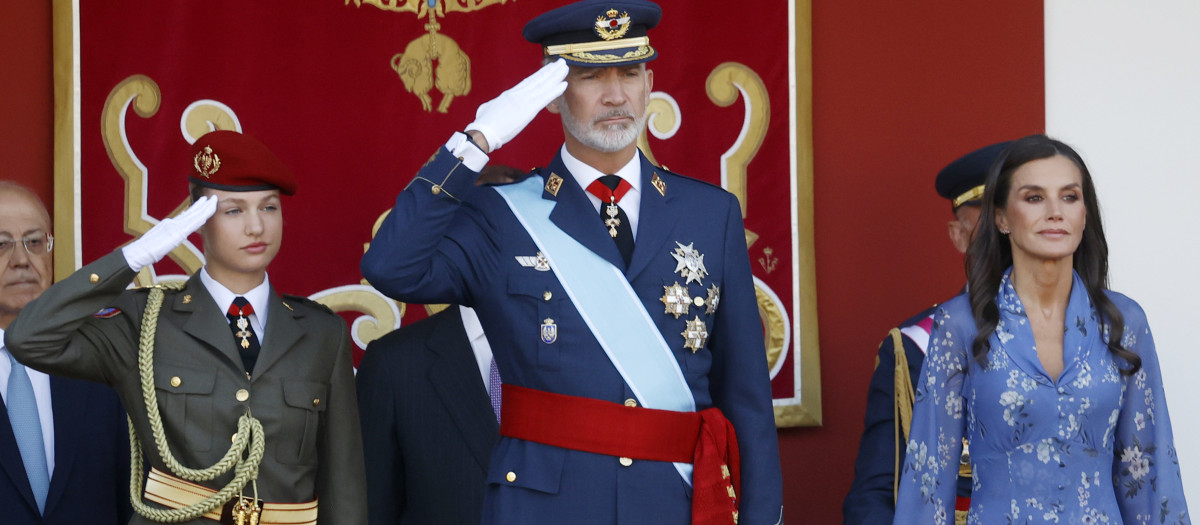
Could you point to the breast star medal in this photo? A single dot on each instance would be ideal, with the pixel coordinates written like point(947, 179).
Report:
point(714, 298)
point(676, 300)
point(612, 221)
point(690, 263)
point(695, 334)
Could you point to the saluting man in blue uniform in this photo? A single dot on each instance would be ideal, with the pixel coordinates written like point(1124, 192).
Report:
point(623, 322)
point(890, 399)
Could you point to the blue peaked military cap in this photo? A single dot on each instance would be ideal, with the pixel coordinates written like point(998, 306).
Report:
point(961, 182)
point(597, 33)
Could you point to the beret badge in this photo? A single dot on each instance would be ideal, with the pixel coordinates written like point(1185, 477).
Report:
point(611, 26)
point(206, 162)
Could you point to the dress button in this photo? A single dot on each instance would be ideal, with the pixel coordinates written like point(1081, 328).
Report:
point(511, 477)
point(546, 295)
point(317, 402)
point(625, 462)
point(1062, 390)
point(175, 381)
point(631, 402)
point(234, 438)
point(242, 394)
point(436, 190)
point(94, 278)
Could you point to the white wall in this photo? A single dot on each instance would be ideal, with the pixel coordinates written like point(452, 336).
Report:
point(1123, 87)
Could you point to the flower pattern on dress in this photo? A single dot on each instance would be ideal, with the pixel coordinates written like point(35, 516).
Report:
point(1091, 446)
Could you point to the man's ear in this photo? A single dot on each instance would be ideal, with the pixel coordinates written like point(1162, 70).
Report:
point(553, 105)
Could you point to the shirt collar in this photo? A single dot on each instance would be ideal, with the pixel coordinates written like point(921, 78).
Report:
point(258, 296)
point(584, 174)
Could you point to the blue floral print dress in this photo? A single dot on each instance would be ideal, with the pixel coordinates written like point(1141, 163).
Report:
point(1090, 447)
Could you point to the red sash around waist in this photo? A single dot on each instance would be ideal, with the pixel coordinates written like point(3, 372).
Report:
point(705, 439)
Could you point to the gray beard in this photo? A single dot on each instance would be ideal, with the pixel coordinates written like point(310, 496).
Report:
point(608, 139)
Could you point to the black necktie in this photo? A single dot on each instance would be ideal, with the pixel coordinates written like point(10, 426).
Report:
point(609, 191)
point(243, 334)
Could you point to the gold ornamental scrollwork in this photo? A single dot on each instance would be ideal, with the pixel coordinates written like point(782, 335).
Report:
point(728, 83)
point(142, 94)
point(663, 119)
point(382, 314)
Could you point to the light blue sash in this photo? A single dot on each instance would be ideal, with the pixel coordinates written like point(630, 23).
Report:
point(609, 306)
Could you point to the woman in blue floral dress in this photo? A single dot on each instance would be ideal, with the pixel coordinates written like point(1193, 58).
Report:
point(1051, 377)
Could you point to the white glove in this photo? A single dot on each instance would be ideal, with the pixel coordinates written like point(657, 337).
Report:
point(502, 118)
point(168, 233)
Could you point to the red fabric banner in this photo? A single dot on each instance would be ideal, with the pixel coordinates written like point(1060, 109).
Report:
point(354, 95)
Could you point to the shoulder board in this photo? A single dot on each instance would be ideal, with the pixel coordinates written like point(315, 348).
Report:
point(290, 301)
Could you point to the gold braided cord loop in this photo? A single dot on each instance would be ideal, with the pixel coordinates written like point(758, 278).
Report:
point(249, 435)
point(902, 405)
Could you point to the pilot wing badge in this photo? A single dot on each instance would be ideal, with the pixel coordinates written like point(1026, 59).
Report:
point(537, 262)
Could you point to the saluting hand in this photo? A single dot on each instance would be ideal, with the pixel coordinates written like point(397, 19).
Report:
point(168, 233)
point(502, 118)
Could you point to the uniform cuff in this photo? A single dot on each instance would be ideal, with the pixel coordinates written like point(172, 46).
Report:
point(460, 145)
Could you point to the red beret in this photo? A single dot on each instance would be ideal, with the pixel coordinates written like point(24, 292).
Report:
point(231, 161)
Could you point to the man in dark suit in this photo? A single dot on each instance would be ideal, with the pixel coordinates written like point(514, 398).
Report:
point(65, 460)
point(235, 369)
point(616, 410)
point(428, 425)
point(898, 366)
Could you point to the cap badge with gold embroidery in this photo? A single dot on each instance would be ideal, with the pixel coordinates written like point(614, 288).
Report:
point(695, 334)
point(206, 162)
point(676, 300)
point(690, 263)
point(611, 26)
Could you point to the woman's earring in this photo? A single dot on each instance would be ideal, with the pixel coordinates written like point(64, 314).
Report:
point(1004, 231)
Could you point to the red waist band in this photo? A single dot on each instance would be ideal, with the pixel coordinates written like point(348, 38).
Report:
point(705, 439)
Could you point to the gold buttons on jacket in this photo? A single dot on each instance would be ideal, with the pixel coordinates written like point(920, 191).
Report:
point(625, 462)
point(546, 295)
point(436, 189)
point(175, 381)
point(317, 402)
point(242, 394)
point(234, 438)
point(94, 278)
point(511, 477)
point(631, 402)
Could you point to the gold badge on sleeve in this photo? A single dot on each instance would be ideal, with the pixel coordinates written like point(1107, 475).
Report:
point(690, 263)
point(695, 334)
point(676, 300)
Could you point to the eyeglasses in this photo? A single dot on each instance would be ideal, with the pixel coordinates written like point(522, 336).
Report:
point(35, 244)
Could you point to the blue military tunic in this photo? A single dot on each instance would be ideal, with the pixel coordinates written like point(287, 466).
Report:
point(447, 242)
point(872, 495)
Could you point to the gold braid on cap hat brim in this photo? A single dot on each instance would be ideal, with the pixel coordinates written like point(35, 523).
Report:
point(641, 42)
point(969, 195)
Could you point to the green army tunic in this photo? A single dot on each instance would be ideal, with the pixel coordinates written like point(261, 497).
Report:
point(302, 389)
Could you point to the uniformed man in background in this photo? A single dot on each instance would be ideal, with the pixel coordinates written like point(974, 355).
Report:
point(617, 297)
point(898, 366)
point(221, 355)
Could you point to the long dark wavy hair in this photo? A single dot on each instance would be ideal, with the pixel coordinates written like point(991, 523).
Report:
point(990, 253)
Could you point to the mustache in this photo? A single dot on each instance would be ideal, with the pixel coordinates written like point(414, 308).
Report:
point(616, 113)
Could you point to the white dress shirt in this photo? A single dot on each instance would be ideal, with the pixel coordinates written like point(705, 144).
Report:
point(258, 298)
point(41, 393)
point(631, 172)
point(479, 343)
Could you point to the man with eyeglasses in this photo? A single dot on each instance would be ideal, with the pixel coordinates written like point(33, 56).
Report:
point(63, 442)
